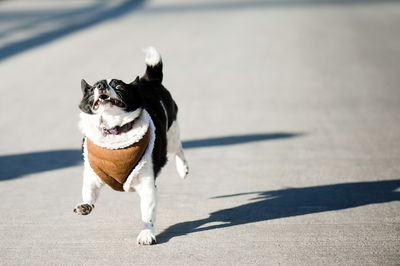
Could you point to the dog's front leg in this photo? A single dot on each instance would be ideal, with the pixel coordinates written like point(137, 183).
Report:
point(148, 204)
point(90, 191)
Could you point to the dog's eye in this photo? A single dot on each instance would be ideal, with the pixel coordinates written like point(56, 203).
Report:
point(121, 88)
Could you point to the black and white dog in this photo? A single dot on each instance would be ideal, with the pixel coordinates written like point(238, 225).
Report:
point(125, 120)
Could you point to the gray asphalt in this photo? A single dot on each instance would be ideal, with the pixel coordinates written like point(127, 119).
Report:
point(290, 119)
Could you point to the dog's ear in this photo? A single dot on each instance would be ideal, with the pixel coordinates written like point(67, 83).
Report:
point(136, 81)
point(84, 86)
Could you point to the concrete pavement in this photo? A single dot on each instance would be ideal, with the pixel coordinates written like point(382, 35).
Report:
point(290, 116)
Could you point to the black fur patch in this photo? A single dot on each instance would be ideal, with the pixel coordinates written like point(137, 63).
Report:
point(153, 93)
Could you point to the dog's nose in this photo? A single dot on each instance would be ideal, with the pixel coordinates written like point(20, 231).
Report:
point(101, 87)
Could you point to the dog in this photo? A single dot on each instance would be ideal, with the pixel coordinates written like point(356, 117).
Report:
point(128, 130)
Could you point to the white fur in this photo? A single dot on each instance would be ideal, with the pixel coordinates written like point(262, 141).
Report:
point(175, 147)
point(152, 56)
point(181, 166)
point(147, 191)
point(91, 182)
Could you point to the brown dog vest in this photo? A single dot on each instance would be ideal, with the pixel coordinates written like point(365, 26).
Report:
point(114, 166)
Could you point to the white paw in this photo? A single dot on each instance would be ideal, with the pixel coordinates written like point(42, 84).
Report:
point(146, 237)
point(182, 167)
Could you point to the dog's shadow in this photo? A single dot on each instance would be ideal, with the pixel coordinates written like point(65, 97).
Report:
point(236, 139)
point(268, 205)
point(18, 165)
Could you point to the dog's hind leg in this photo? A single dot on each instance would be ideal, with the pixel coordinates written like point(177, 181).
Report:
point(175, 147)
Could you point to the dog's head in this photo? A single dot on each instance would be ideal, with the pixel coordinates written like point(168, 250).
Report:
point(111, 96)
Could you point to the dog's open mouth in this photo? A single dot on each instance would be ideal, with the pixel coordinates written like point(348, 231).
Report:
point(103, 99)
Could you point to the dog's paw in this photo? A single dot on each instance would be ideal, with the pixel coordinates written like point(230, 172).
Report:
point(146, 237)
point(182, 167)
point(83, 209)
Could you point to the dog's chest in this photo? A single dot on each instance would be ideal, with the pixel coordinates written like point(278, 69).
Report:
point(114, 166)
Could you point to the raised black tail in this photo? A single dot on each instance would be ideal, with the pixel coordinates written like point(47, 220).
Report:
point(154, 65)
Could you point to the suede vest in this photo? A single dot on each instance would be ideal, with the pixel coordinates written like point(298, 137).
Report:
point(114, 166)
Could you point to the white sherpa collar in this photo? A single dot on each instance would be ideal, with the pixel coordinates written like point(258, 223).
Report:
point(89, 126)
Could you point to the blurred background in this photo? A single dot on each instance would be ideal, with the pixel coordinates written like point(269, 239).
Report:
point(290, 119)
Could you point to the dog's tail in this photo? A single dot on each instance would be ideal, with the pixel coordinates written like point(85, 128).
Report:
point(154, 65)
